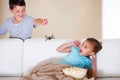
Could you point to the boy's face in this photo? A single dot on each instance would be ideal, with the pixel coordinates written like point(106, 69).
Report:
point(86, 48)
point(19, 12)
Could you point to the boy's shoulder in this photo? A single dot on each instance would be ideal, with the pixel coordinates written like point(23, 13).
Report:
point(9, 19)
point(28, 17)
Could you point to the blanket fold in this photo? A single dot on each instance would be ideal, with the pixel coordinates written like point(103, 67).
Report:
point(48, 71)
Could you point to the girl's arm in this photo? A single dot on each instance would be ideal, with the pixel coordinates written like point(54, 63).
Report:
point(40, 21)
point(92, 72)
point(66, 46)
point(93, 67)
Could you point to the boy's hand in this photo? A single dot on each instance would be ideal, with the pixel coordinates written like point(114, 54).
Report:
point(44, 21)
point(40, 21)
point(76, 43)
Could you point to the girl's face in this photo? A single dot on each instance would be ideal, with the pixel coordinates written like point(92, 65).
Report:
point(86, 48)
point(19, 12)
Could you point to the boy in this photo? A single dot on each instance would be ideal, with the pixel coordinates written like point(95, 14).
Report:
point(20, 25)
point(80, 53)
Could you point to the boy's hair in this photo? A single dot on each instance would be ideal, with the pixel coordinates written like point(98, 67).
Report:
point(13, 3)
point(97, 45)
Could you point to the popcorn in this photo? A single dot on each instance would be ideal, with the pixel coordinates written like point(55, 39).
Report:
point(75, 72)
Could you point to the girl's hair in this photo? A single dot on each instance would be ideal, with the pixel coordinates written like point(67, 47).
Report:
point(97, 45)
point(13, 3)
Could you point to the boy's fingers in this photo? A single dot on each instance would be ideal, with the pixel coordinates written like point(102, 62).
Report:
point(45, 21)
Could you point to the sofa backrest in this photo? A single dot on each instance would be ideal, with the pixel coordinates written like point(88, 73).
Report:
point(108, 58)
point(11, 57)
point(38, 50)
point(18, 57)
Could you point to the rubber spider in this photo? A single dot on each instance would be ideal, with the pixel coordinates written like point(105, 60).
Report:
point(49, 37)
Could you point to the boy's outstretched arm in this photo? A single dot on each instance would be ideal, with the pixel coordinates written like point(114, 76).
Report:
point(40, 21)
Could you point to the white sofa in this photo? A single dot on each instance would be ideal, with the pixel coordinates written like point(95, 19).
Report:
point(17, 58)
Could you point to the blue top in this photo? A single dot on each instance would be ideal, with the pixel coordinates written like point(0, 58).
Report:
point(74, 58)
point(22, 30)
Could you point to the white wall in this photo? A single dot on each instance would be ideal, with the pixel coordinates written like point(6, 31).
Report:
point(0, 12)
point(110, 19)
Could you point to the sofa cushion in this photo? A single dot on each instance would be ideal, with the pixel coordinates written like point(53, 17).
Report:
point(9, 78)
point(11, 57)
point(108, 79)
point(108, 58)
point(38, 50)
